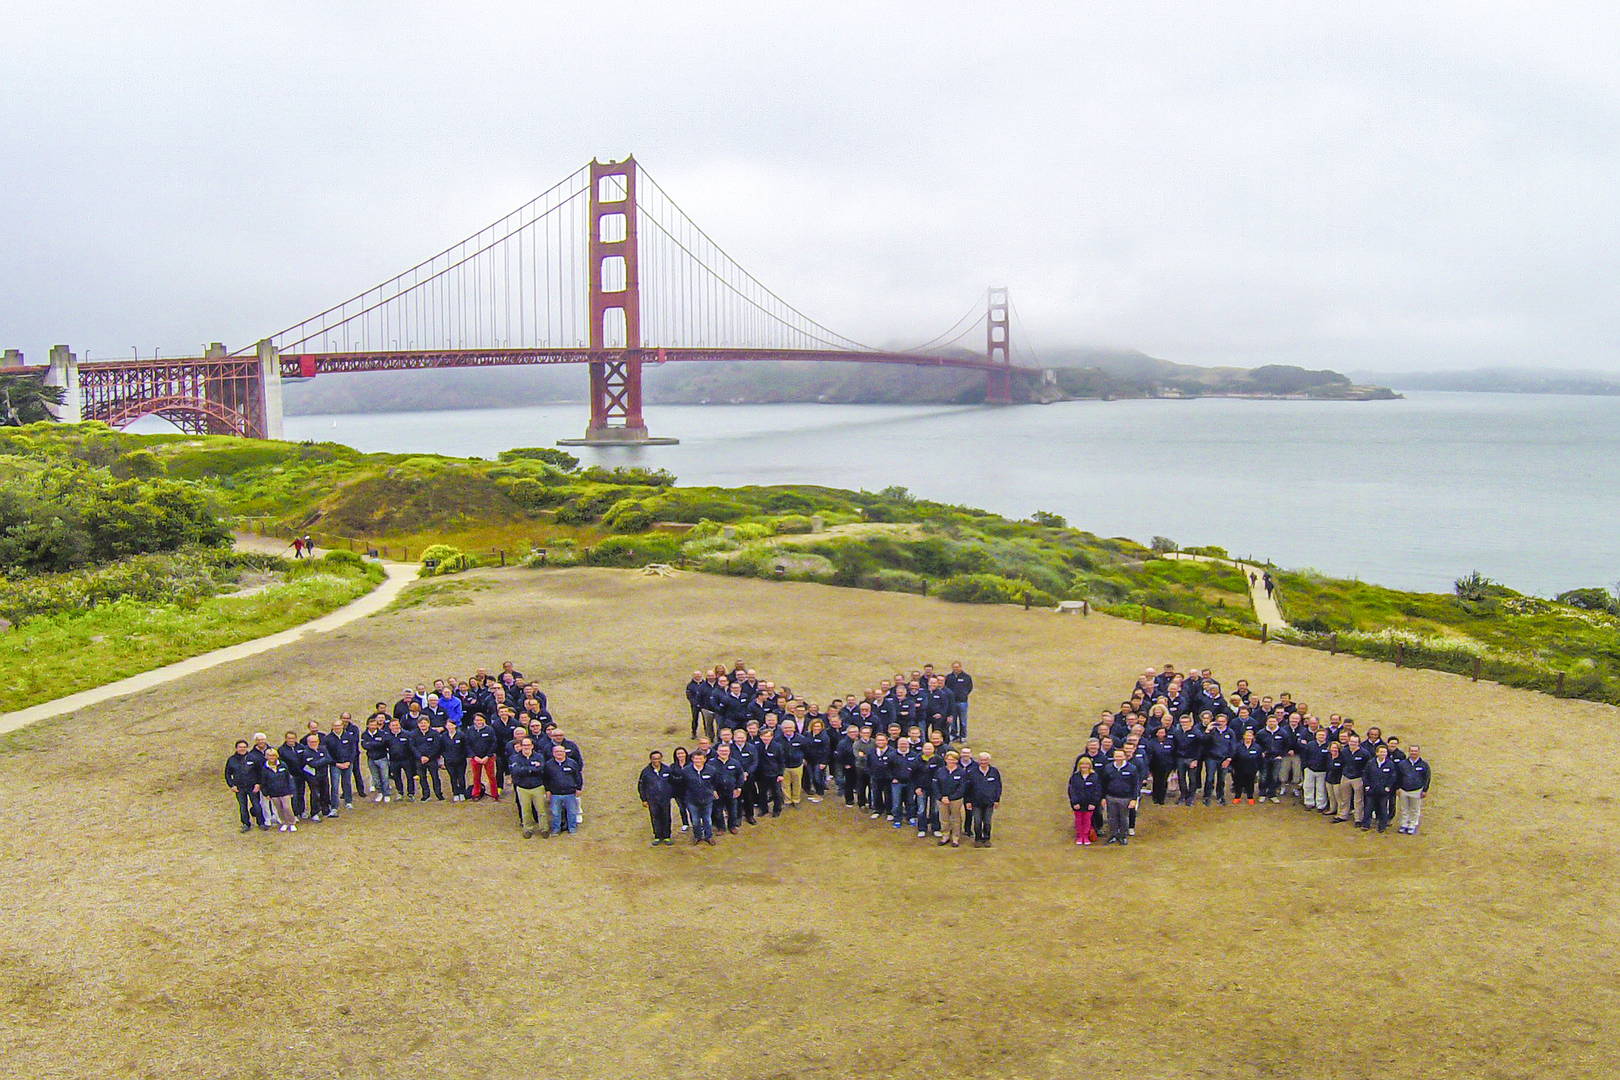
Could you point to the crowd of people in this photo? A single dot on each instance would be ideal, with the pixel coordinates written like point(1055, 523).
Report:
point(1181, 736)
point(495, 726)
point(893, 751)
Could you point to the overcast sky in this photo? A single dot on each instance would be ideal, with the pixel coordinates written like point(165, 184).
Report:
point(1345, 185)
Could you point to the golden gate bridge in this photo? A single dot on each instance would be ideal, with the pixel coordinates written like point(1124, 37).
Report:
point(603, 269)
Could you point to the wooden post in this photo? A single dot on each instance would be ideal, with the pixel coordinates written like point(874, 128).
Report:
point(925, 586)
point(1026, 601)
point(1560, 684)
point(503, 556)
point(1085, 608)
point(1209, 623)
point(1333, 643)
point(1476, 669)
point(1264, 630)
point(1143, 613)
point(1400, 654)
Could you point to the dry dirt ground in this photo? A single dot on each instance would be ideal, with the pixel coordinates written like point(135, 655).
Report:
point(145, 937)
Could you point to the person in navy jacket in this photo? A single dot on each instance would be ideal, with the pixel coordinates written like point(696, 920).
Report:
point(1413, 782)
point(374, 741)
point(697, 694)
point(314, 766)
point(1381, 778)
point(426, 745)
point(1085, 796)
point(1122, 786)
point(1189, 740)
point(730, 776)
point(655, 790)
point(983, 795)
point(453, 752)
point(483, 744)
point(960, 684)
point(242, 777)
point(700, 778)
point(564, 779)
point(1248, 763)
point(1219, 742)
point(277, 783)
point(342, 745)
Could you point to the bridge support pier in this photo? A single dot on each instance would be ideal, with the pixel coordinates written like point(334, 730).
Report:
point(64, 372)
point(269, 392)
point(998, 348)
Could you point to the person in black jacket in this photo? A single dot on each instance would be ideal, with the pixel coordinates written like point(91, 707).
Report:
point(528, 772)
point(960, 684)
point(315, 765)
point(1189, 740)
point(1380, 780)
point(565, 779)
point(654, 789)
point(242, 777)
point(697, 692)
point(453, 752)
point(768, 775)
point(427, 744)
point(291, 753)
point(730, 777)
point(1085, 797)
point(1248, 761)
point(1122, 785)
point(483, 746)
point(1219, 742)
point(375, 744)
point(679, 760)
point(276, 780)
point(1413, 781)
point(401, 771)
point(983, 795)
point(1161, 755)
point(700, 777)
point(342, 745)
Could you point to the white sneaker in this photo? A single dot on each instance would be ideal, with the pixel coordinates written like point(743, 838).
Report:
point(387, 798)
point(684, 828)
point(922, 833)
point(348, 806)
point(292, 828)
point(874, 817)
point(1133, 832)
point(315, 817)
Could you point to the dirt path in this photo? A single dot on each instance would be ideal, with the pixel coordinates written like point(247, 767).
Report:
point(399, 575)
point(1266, 609)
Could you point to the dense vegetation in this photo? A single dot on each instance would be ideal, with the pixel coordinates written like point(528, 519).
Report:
point(539, 507)
point(110, 566)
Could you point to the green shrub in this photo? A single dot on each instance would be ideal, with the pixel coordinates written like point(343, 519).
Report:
point(793, 523)
point(628, 516)
point(562, 459)
point(445, 560)
point(993, 589)
point(636, 550)
point(892, 581)
point(339, 557)
point(633, 476)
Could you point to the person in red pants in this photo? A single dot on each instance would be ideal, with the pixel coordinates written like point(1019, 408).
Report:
point(1085, 796)
point(483, 743)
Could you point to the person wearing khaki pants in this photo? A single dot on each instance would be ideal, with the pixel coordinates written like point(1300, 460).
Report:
point(949, 782)
point(1353, 798)
point(528, 788)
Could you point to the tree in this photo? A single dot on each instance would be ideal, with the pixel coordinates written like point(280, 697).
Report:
point(1049, 520)
point(26, 400)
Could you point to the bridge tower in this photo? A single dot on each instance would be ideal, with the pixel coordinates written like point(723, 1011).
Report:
point(998, 348)
point(614, 263)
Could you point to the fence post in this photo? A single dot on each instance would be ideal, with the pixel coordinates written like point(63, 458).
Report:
point(1333, 643)
point(503, 556)
point(1143, 613)
point(1026, 601)
point(1560, 684)
point(1400, 654)
point(925, 586)
point(1209, 622)
point(1264, 630)
point(1085, 608)
point(1476, 669)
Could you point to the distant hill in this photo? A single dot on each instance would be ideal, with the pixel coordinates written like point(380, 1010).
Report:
point(1072, 373)
point(1505, 381)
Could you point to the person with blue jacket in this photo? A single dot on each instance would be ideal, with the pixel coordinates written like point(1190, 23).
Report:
point(315, 767)
point(1413, 783)
point(1085, 797)
point(1161, 760)
point(1248, 765)
point(731, 775)
point(794, 745)
point(655, 790)
point(700, 779)
point(528, 772)
point(900, 764)
point(768, 772)
point(483, 745)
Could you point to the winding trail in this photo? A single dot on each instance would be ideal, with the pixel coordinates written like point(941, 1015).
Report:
point(1266, 609)
point(399, 575)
